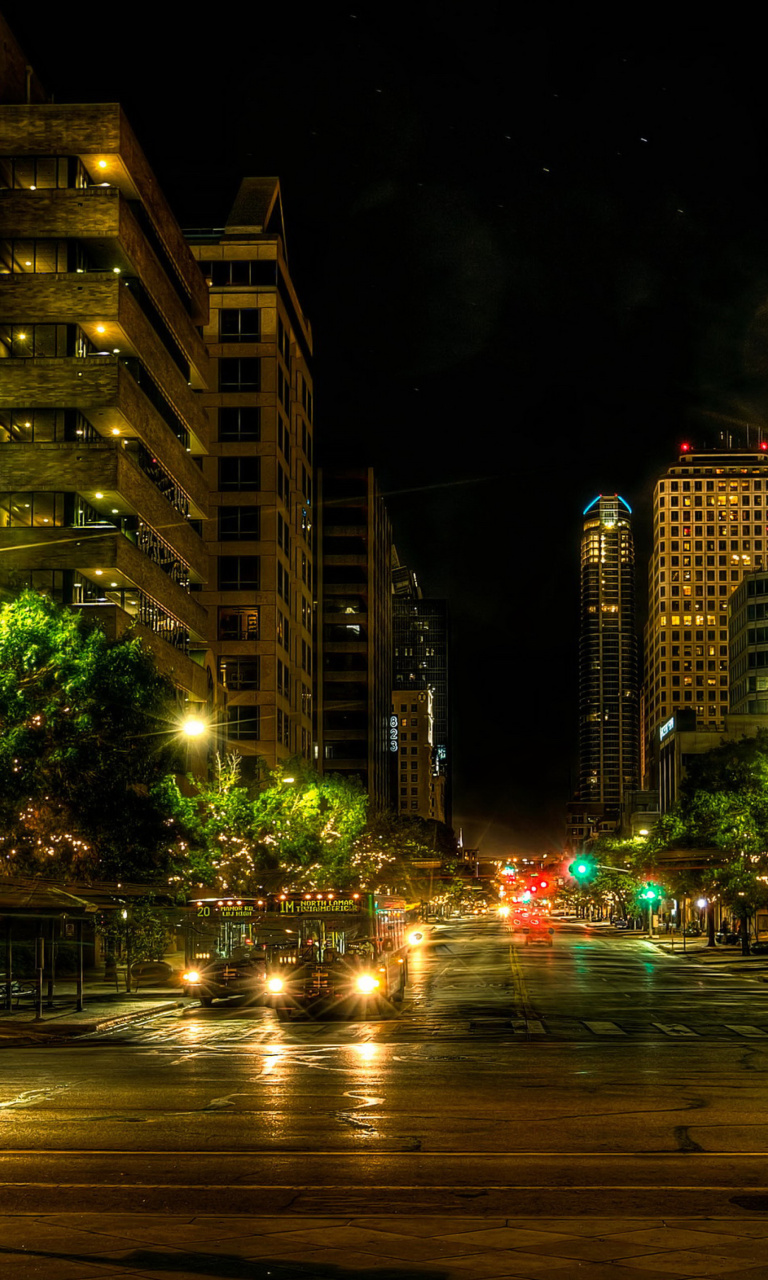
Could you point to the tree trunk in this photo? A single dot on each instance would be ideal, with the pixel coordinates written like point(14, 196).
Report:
point(710, 924)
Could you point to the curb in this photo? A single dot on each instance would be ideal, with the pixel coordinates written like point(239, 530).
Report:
point(56, 1029)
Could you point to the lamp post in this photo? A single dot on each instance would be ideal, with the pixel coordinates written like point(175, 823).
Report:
point(193, 728)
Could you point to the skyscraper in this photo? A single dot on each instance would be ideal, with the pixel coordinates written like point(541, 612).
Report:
point(259, 474)
point(608, 677)
point(710, 527)
point(420, 633)
point(354, 646)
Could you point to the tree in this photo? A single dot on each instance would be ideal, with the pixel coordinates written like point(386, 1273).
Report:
point(723, 808)
point(298, 829)
point(87, 750)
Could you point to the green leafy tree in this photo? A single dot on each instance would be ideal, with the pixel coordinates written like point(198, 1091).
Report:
point(723, 812)
point(86, 749)
point(298, 829)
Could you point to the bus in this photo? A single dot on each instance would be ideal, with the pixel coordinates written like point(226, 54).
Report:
point(224, 953)
point(302, 952)
point(336, 951)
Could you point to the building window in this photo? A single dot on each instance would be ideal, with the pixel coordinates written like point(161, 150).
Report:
point(238, 623)
point(239, 573)
point(240, 373)
point(239, 473)
point(24, 257)
point(31, 510)
point(239, 325)
point(243, 723)
point(240, 424)
point(240, 673)
point(239, 522)
point(35, 341)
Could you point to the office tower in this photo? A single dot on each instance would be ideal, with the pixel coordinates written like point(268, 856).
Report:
point(748, 647)
point(100, 430)
point(354, 647)
point(259, 475)
point(608, 680)
point(418, 786)
point(709, 529)
point(420, 633)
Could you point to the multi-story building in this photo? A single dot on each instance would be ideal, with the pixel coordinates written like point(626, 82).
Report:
point(748, 646)
point(101, 432)
point(417, 783)
point(420, 633)
point(260, 478)
point(608, 677)
point(354, 645)
point(710, 528)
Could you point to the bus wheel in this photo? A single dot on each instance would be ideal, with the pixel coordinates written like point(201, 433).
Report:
point(206, 1001)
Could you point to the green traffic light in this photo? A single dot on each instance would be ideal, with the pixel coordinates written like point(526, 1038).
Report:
point(582, 870)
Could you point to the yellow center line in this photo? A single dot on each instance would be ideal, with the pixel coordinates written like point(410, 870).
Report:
point(523, 1007)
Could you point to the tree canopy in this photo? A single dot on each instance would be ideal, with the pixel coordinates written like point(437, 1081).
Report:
point(87, 749)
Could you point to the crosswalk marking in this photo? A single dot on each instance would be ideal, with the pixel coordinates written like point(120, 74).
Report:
point(531, 1025)
point(605, 1028)
point(674, 1029)
point(745, 1030)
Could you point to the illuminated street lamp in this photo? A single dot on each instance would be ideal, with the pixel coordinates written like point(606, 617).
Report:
point(194, 727)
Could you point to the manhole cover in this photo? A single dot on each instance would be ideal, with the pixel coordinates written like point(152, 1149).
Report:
point(757, 1203)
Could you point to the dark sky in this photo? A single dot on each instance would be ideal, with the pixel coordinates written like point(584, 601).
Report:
point(534, 255)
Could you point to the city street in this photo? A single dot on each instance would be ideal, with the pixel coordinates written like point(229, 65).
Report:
point(599, 1075)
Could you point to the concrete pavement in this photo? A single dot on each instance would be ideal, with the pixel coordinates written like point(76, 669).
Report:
point(78, 1246)
point(104, 1007)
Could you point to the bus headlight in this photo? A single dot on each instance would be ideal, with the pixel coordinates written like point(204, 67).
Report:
point(366, 983)
point(416, 937)
point(275, 984)
point(192, 977)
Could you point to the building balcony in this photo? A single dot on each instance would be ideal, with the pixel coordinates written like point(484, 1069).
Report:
point(103, 556)
point(102, 221)
point(106, 311)
point(101, 137)
point(183, 671)
point(108, 395)
point(111, 481)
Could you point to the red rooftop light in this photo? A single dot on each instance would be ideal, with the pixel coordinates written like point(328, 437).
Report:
point(685, 448)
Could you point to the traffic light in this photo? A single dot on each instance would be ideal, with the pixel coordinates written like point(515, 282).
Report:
point(583, 870)
point(651, 893)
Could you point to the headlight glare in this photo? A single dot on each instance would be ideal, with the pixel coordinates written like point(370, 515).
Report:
point(366, 983)
point(274, 984)
point(192, 976)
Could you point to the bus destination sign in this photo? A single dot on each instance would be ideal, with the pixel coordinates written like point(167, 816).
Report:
point(318, 906)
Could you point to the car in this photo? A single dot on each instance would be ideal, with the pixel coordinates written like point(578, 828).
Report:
point(539, 934)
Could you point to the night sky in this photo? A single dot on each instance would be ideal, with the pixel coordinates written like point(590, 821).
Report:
point(534, 256)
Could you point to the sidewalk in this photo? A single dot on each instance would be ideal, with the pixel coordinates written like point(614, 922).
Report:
point(287, 1246)
point(104, 1007)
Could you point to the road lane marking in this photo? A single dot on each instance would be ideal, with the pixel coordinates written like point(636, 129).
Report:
point(744, 1030)
point(674, 1029)
point(604, 1028)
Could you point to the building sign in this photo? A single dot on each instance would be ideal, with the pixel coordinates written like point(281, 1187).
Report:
point(393, 733)
point(666, 728)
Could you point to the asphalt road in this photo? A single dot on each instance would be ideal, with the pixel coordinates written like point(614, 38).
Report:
point(516, 1079)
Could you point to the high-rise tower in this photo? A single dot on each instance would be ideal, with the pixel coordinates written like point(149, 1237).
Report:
point(710, 527)
point(260, 478)
point(608, 680)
